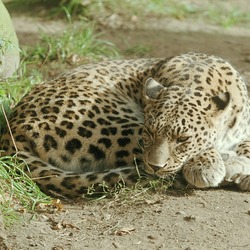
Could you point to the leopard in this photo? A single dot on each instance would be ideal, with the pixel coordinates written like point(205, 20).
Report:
point(132, 119)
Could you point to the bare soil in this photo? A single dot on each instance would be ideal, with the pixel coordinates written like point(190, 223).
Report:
point(206, 219)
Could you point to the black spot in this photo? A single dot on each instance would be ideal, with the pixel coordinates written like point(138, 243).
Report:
point(90, 124)
point(208, 80)
point(127, 110)
point(45, 110)
point(59, 102)
point(67, 124)
point(20, 138)
point(105, 110)
point(127, 132)
point(32, 106)
point(96, 109)
point(73, 95)
point(71, 104)
point(49, 143)
point(35, 135)
point(82, 111)
point(27, 127)
point(68, 182)
point(137, 151)
point(120, 121)
point(20, 121)
point(130, 125)
point(73, 145)
point(96, 152)
point(233, 122)
point(31, 113)
point(123, 141)
point(91, 114)
point(106, 142)
point(109, 131)
point(56, 110)
point(198, 102)
point(32, 144)
point(103, 71)
point(70, 115)
point(102, 121)
point(60, 132)
point(115, 112)
point(51, 118)
point(122, 153)
point(200, 69)
point(140, 131)
point(84, 132)
point(113, 118)
point(197, 94)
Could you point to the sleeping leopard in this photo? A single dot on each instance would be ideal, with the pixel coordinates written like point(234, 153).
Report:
point(115, 121)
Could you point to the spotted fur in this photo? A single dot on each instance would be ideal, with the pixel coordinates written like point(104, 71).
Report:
point(108, 122)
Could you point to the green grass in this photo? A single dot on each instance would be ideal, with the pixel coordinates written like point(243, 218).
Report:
point(17, 191)
point(76, 45)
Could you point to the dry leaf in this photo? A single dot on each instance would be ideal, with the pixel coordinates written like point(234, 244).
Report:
point(69, 225)
point(57, 204)
point(56, 226)
point(124, 231)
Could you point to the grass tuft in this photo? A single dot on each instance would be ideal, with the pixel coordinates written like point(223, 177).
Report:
point(17, 191)
point(13, 88)
point(76, 45)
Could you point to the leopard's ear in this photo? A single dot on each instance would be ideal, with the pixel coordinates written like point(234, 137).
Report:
point(152, 88)
point(220, 102)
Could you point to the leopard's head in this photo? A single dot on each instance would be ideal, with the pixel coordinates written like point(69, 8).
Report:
point(180, 123)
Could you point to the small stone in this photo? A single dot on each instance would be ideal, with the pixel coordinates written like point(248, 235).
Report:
point(189, 218)
point(151, 237)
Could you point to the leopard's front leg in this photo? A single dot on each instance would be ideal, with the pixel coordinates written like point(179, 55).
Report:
point(205, 170)
point(238, 166)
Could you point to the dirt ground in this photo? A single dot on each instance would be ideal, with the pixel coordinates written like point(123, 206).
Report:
point(207, 219)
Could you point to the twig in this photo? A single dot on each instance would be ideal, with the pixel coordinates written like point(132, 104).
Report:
point(8, 125)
